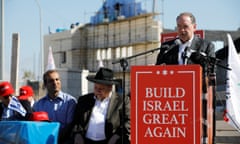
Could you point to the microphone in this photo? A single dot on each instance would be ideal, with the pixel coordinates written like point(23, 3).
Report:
point(212, 60)
point(187, 54)
point(201, 58)
point(169, 48)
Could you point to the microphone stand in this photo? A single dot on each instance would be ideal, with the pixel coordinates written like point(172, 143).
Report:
point(139, 54)
point(124, 64)
point(215, 61)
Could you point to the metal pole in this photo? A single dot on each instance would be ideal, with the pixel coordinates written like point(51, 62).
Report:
point(41, 47)
point(213, 83)
point(1, 38)
point(15, 60)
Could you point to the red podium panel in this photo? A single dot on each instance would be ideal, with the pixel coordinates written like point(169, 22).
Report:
point(166, 104)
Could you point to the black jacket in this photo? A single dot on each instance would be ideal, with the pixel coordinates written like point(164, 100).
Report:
point(199, 46)
point(114, 116)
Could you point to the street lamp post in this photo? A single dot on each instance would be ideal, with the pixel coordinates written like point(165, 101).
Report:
point(1, 38)
point(41, 47)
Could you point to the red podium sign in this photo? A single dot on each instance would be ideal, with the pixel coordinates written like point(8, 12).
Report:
point(166, 104)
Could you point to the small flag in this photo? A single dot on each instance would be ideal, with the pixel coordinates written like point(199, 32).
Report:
point(15, 105)
point(232, 112)
point(51, 63)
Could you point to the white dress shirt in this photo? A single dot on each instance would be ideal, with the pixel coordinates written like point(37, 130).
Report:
point(96, 128)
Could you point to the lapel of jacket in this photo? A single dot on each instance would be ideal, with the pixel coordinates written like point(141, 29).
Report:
point(196, 43)
point(112, 104)
point(175, 51)
point(171, 57)
point(195, 46)
point(90, 103)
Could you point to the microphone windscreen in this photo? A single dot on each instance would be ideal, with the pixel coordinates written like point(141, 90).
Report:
point(198, 58)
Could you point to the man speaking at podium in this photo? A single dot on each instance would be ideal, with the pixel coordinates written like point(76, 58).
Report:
point(188, 48)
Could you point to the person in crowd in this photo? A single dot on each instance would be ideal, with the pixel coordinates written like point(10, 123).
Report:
point(99, 117)
point(10, 107)
point(59, 105)
point(188, 48)
point(26, 93)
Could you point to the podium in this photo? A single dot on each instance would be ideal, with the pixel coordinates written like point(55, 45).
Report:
point(28, 132)
point(166, 105)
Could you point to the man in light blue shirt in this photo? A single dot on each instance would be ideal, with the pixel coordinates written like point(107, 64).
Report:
point(60, 106)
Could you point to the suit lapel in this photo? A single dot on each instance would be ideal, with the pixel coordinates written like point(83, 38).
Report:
point(195, 44)
point(90, 104)
point(112, 104)
point(175, 58)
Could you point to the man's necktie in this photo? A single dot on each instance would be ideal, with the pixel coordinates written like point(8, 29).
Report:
point(185, 55)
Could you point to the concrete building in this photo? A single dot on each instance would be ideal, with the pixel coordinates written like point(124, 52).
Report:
point(81, 50)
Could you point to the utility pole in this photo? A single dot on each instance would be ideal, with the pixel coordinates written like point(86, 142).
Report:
point(162, 13)
point(1, 38)
point(41, 47)
point(15, 60)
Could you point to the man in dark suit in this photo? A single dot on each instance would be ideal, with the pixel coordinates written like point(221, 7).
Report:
point(188, 48)
point(98, 116)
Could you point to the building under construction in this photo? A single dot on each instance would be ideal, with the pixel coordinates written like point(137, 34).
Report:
point(121, 33)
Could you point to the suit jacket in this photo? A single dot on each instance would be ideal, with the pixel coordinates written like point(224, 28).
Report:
point(198, 45)
point(170, 56)
point(113, 119)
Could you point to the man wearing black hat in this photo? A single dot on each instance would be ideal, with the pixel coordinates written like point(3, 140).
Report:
point(98, 116)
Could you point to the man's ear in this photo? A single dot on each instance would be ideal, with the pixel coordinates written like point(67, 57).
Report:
point(195, 26)
point(43, 86)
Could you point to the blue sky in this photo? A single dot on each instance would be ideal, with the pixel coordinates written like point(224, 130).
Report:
point(22, 16)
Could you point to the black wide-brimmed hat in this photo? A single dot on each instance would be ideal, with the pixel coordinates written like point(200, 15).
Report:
point(103, 76)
